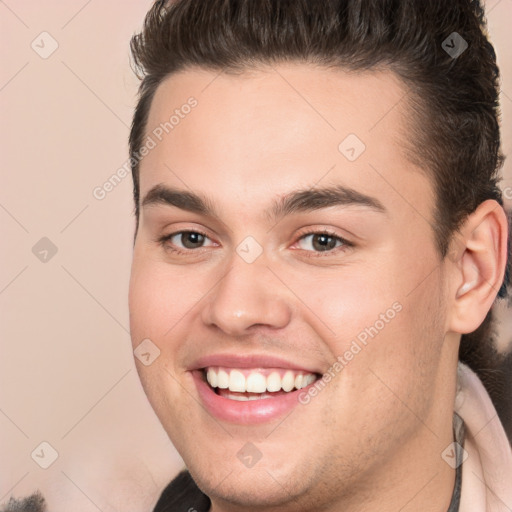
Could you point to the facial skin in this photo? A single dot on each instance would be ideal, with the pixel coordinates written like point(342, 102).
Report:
point(372, 438)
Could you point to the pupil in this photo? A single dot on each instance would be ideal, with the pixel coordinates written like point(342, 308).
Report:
point(324, 242)
point(191, 240)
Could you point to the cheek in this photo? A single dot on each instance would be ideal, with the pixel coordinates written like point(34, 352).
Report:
point(344, 303)
point(159, 299)
point(378, 319)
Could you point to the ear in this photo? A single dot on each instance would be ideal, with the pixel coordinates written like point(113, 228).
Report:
point(480, 257)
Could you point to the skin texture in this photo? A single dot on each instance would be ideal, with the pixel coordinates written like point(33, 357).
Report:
point(372, 438)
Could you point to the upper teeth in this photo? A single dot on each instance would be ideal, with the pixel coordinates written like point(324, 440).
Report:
point(258, 380)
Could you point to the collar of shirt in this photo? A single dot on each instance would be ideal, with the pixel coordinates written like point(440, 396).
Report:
point(487, 455)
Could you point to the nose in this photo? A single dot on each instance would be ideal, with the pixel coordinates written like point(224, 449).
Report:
point(247, 295)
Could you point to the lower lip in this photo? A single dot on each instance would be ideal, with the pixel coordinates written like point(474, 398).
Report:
point(245, 412)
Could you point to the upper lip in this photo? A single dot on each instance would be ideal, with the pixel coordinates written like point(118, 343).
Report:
point(230, 360)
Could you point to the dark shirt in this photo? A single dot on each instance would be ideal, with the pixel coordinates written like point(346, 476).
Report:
point(182, 495)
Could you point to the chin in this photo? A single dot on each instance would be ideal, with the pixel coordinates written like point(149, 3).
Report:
point(250, 489)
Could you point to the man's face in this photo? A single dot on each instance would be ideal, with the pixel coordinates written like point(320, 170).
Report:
point(274, 279)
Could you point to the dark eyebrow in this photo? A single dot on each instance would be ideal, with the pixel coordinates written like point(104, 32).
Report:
point(183, 199)
point(317, 198)
point(293, 202)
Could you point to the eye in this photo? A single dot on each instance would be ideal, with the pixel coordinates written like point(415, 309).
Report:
point(322, 241)
point(188, 240)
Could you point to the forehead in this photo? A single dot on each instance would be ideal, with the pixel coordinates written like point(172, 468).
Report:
point(291, 125)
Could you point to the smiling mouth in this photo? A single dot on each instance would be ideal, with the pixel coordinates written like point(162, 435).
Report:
point(244, 384)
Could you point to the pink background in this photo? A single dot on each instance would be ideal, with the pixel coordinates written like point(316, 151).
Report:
point(67, 374)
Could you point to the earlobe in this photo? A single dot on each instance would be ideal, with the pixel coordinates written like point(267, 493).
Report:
point(481, 269)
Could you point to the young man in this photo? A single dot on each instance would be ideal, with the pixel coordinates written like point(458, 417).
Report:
point(320, 239)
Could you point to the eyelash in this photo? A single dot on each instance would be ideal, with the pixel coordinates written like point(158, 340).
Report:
point(163, 241)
